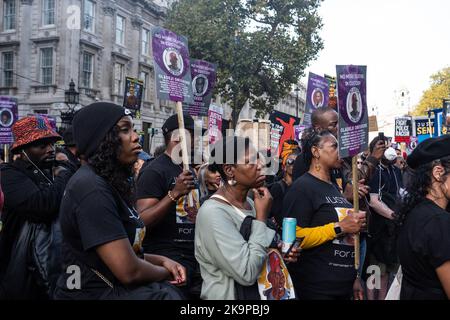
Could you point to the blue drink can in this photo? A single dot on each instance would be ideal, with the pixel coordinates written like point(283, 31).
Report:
point(288, 234)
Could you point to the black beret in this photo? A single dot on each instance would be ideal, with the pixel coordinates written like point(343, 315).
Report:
point(429, 150)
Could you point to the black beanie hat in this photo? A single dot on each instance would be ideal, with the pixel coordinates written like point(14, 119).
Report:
point(92, 123)
point(172, 123)
point(429, 150)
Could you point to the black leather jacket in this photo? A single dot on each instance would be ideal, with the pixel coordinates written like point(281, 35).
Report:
point(31, 203)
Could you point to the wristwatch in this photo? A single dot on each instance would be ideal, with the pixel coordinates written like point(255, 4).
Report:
point(338, 230)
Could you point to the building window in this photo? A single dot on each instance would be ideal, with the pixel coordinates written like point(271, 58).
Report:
point(48, 12)
point(89, 16)
point(118, 78)
point(8, 68)
point(87, 70)
point(9, 15)
point(145, 42)
point(144, 77)
point(120, 30)
point(47, 66)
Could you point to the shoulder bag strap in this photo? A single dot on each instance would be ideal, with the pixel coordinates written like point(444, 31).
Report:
point(239, 211)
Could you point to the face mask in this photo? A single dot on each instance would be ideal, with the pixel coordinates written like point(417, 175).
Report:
point(390, 154)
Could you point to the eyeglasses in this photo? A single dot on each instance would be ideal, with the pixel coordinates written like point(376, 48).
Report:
point(359, 162)
point(290, 162)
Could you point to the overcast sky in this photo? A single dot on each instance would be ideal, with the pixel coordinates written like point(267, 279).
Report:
point(402, 42)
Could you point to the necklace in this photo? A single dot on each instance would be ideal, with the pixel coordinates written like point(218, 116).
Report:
point(232, 200)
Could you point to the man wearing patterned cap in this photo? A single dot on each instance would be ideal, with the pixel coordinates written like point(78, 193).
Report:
point(33, 188)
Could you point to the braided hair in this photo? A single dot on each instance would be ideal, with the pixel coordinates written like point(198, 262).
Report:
point(311, 138)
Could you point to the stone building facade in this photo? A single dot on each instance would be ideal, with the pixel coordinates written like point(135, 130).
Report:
point(44, 44)
point(97, 43)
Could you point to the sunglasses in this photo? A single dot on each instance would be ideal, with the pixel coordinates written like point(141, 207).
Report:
point(359, 162)
point(290, 162)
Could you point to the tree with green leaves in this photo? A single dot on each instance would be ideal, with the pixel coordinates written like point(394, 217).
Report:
point(261, 47)
point(432, 97)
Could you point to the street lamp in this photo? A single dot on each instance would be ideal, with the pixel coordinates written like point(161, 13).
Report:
point(297, 89)
point(71, 98)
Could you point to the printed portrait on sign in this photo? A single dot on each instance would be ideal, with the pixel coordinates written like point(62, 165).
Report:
point(132, 100)
point(274, 281)
point(354, 105)
point(317, 98)
point(6, 118)
point(173, 61)
point(200, 85)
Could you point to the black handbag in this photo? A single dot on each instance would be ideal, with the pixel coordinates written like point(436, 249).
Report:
point(36, 263)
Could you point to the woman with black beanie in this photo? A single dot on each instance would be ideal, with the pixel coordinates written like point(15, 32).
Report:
point(102, 232)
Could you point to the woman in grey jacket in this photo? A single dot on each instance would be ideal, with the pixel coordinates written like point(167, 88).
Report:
point(223, 254)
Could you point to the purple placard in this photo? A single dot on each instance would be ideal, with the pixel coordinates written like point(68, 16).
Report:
point(172, 66)
point(299, 131)
point(317, 95)
point(203, 81)
point(8, 116)
point(352, 105)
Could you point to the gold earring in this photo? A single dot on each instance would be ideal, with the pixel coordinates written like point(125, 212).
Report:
point(317, 167)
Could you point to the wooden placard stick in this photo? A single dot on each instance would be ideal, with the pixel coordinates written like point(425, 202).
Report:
point(355, 184)
point(6, 153)
point(184, 150)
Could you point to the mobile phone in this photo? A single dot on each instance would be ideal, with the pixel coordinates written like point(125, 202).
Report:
point(296, 244)
point(381, 136)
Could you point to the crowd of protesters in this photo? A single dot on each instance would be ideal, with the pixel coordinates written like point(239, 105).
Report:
point(98, 218)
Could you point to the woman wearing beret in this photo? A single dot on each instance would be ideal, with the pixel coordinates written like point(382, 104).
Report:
point(424, 234)
point(102, 232)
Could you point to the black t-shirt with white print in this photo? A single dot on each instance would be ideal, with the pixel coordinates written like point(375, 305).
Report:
point(174, 234)
point(92, 214)
point(327, 269)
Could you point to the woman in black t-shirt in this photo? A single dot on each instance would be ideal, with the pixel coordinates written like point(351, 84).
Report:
point(325, 270)
point(424, 235)
point(102, 232)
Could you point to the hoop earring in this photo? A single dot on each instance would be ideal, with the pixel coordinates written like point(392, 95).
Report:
point(232, 182)
point(317, 167)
